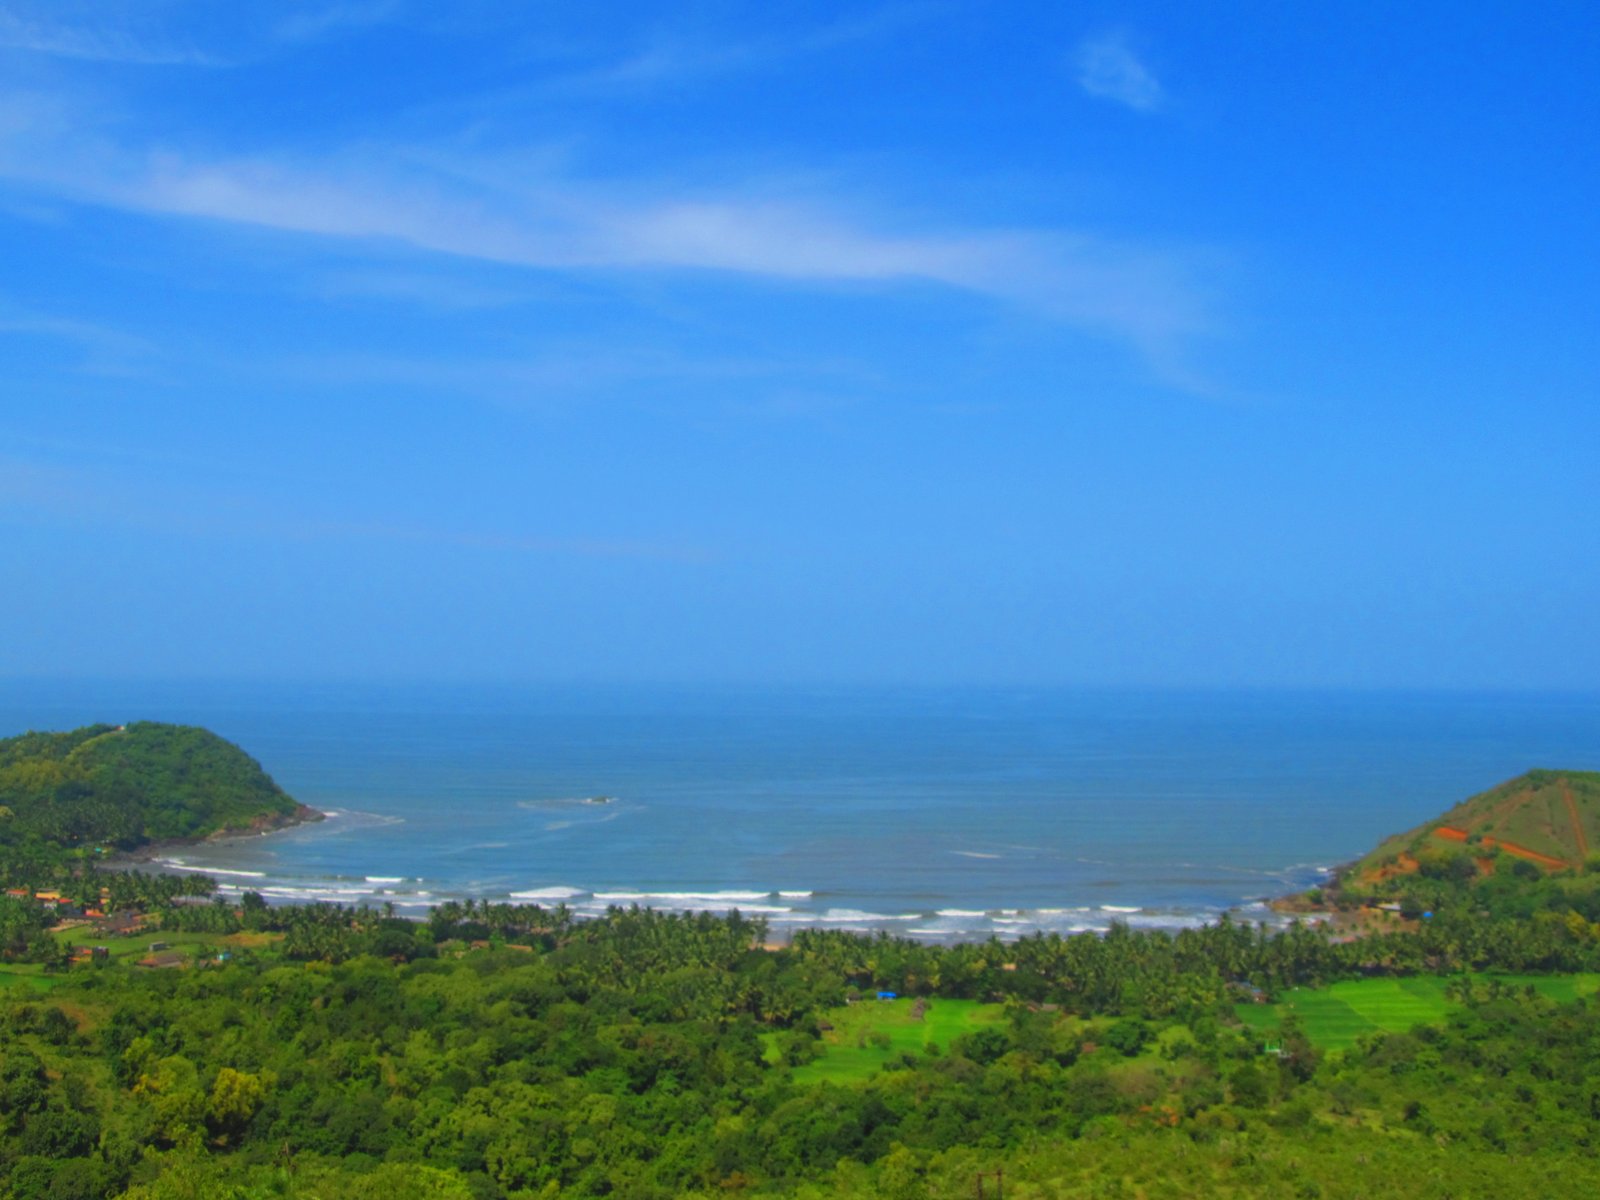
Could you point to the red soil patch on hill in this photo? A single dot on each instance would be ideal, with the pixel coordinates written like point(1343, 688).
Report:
point(1404, 864)
point(1533, 856)
point(1450, 834)
point(1580, 838)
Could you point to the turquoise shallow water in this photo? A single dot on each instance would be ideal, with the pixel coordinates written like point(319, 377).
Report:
point(936, 814)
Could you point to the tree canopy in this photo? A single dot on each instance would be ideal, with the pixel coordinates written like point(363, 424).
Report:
point(127, 785)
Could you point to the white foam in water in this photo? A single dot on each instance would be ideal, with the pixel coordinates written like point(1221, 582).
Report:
point(678, 897)
point(548, 893)
point(843, 915)
point(1120, 908)
point(386, 879)
point(958, 912)
point(796, 895)
point(1169, 921)
point(291, 892)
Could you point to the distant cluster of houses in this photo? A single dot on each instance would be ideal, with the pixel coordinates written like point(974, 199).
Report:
point(122, 923)
point(116, 924)
point(66, 910)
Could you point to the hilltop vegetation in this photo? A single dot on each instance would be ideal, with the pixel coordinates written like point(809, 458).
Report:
point(1549, 819)
point(1526, 846)
point(123, 786)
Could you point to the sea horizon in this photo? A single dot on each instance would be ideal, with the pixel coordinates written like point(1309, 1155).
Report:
point(943, 814)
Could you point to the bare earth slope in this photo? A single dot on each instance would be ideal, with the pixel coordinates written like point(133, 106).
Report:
point(1548, 818)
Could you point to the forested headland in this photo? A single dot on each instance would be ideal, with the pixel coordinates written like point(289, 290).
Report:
point(217, 1047)
point(123, 786)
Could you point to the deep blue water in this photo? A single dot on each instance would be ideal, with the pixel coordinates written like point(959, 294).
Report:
point(936, 814)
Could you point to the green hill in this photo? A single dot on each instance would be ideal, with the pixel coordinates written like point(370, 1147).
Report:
point(127, 785)
point(1549, 819)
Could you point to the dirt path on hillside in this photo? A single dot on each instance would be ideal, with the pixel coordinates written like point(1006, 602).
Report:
point(1533, 856)
point(1578, 835)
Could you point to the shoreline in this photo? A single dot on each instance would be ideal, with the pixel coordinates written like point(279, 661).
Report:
point(414, 898)
point(147, 852)
point(917, 928)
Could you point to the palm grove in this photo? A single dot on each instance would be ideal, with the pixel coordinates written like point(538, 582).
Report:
point(507, 1051)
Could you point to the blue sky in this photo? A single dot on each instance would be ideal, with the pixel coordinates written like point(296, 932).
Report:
point(1032, 343)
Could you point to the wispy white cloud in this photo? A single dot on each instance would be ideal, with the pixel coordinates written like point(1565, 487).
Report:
point(311, 22)
point(675, 58)
point(530, 209)
point(664, 62)
point(437, 289)
point(100, 37)
point(101, 350)
point(144, 33)
point(91, 336)
point(1108, 68)
point(472, 210)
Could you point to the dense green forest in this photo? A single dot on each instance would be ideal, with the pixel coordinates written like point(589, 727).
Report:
point(648, 1055)
point(236, 1050)
point(122, 786)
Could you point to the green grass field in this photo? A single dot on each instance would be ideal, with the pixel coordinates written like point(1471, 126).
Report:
point(129, 949)
point(852, 1054)
point(137, 946)
point(26, 975)
point(1337, 1015)
point(132, 949)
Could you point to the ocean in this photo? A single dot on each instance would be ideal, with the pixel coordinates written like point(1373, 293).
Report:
point(939, 814)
